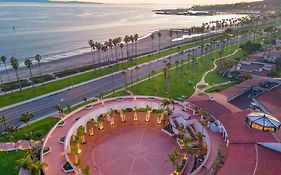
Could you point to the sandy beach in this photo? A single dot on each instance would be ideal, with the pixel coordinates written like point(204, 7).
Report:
point(144, 47)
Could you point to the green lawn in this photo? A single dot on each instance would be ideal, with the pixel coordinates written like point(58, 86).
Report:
point(26, 94)
point(8, 162)
point(179, 78)
point(42, 126)
point(215, 78)
point(221, 87)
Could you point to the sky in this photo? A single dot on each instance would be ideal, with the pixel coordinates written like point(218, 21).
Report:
point(187, 2)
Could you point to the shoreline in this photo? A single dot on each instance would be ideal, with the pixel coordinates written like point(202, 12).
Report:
point(83, 59)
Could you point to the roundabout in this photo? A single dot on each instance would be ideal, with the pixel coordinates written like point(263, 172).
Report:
point(126, 135)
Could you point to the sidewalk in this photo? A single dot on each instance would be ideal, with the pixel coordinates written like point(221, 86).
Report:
point(22, 144)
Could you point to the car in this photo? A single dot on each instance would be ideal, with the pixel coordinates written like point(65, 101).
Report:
point(254, 105)
point(89, 106)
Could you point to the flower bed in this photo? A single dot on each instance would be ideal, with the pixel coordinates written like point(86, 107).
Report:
point(61, 123)
point(62, 139)
point(67, 167)
point(46, 150)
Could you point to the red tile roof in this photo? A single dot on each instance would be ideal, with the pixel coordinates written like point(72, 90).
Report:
point(213, 107)
point(230, 92)
point(241, 160)
point(249, 159)
point(239, 132)
point(269, 162)
point(271, 100)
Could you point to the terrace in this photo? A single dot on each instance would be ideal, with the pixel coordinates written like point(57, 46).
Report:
point(126, 132)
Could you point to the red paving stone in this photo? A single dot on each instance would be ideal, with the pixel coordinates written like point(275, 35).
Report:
point(131, 148)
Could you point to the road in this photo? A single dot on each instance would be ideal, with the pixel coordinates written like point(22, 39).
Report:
point(45, 106)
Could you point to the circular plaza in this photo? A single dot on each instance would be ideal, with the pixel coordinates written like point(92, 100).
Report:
point(125, 135)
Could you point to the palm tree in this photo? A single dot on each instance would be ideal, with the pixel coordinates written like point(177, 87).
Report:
point(59, 108)
point(121, 49)
point(3, 60)
point(171, 37)
point(124, 72)
point(136, 37)
point(99, 47)
point(38, 58)
point(26, 117)
point(112, 78)
point(4, 123)
point(131, 61)
point(12, 131)
point(152, 38)
point(28, 64)
point(127, 40)
point(37, 167)
point(174, 158)
point(137, 68)
point(92, 46)
point(132, 39)
point(15, 65)
point(159, 37)
point(91, 124)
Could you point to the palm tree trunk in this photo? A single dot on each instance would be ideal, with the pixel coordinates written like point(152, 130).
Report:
point(18, 79)
point(7, 72)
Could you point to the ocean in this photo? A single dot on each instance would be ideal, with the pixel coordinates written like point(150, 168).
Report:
point(56, 30)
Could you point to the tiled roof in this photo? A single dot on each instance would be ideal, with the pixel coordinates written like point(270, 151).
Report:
point(213, 107)
point(241, 160)
point(269, 162)
point(249, 159)
point(239, 132)
point(271, 100)
point(243, 86)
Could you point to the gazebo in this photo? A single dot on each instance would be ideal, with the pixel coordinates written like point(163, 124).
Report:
point(263, 121)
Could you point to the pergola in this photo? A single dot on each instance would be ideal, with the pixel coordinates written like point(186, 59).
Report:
point(263, 121)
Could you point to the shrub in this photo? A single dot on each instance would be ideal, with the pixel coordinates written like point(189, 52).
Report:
point(42, 79)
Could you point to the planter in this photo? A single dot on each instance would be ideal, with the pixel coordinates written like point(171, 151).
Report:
point(46, 150)
point(67, 167)
point(61, 123)
point(62, 139)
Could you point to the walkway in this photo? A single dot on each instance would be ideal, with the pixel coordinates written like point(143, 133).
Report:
point(202, 82)
point(22, 144)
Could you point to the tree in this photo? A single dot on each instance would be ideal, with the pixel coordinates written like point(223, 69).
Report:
point(127, 40)
point(152, 38)
point(86, 171)
point(92, 46)
point(59, 108)
point(137, 68)
point(3, 60)
point(159, 41)
point(136, 37)
point(26, 117)
point(174, 158)
point(38, 58)
point(28, 64)
point(124, 72)
point(3, 120)
point(15, 65)
point(121, 49)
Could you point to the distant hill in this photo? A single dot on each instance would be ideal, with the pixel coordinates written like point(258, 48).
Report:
point(48, 1)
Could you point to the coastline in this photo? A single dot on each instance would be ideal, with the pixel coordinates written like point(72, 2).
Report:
point(86, 58)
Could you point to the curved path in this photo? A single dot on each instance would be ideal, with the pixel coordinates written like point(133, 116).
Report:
point(202, 82)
